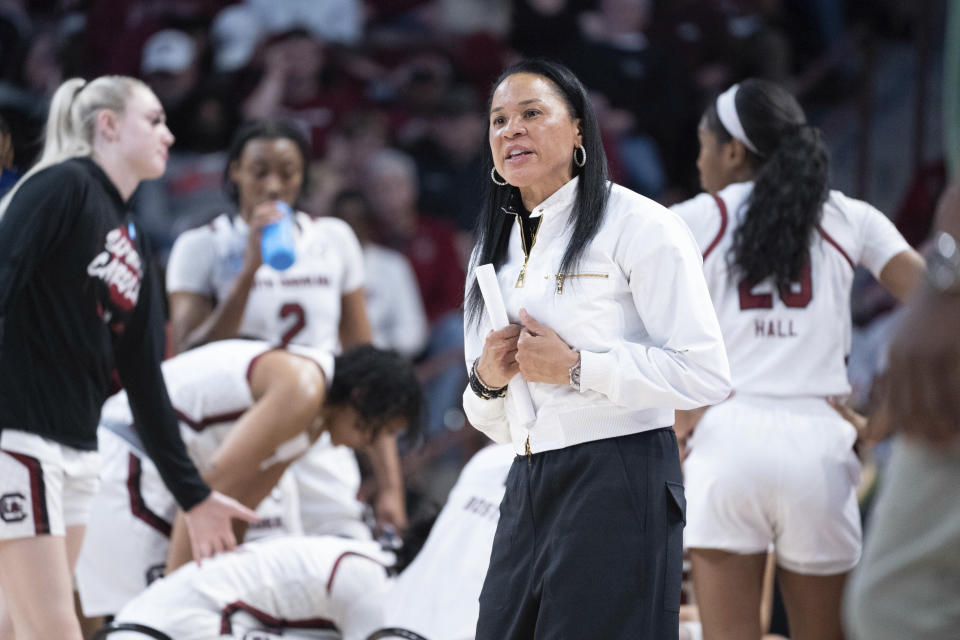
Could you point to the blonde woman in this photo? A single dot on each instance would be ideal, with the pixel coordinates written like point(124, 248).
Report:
point(79, 303)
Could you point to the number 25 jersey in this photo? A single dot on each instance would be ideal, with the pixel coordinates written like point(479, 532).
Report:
point(790, 342)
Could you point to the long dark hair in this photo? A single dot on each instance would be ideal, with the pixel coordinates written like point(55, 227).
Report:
point(267, 129)
point(791, 173)
point(493, 227)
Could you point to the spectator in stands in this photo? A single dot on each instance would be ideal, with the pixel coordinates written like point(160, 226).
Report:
point(427, 242)
point(339, 21)
point(547, 28)
point(430, 246)
point(295, 82)
point(394, 306)
point(235, 35)
point(640, 79)
point(449, 159)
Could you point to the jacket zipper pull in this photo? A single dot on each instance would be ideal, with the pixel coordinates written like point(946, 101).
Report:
point(521, 279)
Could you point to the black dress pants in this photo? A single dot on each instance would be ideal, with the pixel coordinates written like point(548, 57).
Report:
point(589, 544)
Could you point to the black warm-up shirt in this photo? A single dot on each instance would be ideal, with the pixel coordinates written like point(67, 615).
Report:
point(80, 299)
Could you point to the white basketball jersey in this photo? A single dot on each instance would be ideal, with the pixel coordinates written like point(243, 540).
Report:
point(438, 594)
point(792, 342)
point(209, 388)
point(300, 305)
point(320, 583)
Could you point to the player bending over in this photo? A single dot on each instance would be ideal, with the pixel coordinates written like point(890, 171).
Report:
point(246, 411)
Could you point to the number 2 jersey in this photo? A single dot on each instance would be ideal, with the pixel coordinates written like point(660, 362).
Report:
point(300, 305)
point(790, 343)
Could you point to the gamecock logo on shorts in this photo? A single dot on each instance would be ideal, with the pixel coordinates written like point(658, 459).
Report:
point(13, 507)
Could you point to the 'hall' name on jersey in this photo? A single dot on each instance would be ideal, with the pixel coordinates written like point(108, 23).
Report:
point(773, 329)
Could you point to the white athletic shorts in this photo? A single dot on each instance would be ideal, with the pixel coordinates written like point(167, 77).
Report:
point(45, 486)
point(125, 548)
point(775, 471)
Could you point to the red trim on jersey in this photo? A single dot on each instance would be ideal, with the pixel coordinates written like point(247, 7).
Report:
point(723, 225)
point(336, 565)
point(836, 245)
point(203, 423)
point(253, 362)
point(226, 625)
point(138, 507)
point(38, 491)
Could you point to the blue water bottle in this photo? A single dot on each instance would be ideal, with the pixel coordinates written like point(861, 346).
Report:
point(276, 241)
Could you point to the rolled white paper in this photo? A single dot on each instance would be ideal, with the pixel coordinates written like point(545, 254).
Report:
point(497, 313)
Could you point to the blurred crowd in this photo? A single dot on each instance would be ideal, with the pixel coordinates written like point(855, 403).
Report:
point(389, 93)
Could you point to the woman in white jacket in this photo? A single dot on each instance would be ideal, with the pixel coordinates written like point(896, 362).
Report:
point(613, 330)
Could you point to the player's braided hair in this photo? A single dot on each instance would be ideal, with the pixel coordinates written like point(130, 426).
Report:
point(380, 385)
point(791, 172)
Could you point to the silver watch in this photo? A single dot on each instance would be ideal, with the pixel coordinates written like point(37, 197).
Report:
point(575, 373)
point(943, 264)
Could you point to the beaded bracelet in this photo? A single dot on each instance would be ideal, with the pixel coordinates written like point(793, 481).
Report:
point(480, 389)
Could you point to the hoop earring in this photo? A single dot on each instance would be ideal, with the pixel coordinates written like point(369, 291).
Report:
point(493, 176)
point(583, 160)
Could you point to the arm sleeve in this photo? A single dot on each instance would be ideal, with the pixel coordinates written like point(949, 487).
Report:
point(880, 240)
point(34, 222)
point(682, 364)
point(487, 416)
point(190, 265)
point(138, 355)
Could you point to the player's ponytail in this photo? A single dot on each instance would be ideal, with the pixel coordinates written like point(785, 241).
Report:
point(71, 120)
point(791, 171)
point(62, 140)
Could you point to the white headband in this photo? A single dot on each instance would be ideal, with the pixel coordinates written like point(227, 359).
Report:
point(727, 112)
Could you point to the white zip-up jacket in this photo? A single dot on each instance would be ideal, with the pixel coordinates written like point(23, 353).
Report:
point(637, 308)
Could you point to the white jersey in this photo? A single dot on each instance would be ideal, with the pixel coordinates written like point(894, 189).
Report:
point(300, 305)
point(438, 595)
point(209, 389)
point(790, 343)
point(302, 584)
